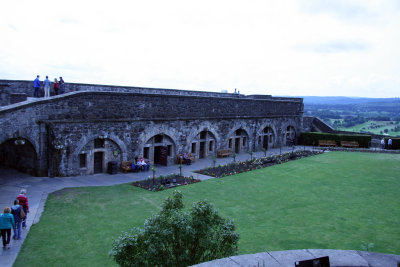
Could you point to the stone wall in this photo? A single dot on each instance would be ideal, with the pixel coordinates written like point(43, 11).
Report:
point(65, 131)
point(8, 87)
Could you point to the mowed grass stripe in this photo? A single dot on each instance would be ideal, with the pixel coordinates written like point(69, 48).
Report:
point(336, 200)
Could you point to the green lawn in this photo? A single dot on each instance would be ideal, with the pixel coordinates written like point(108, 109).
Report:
point(375, 127)
point(336, 200)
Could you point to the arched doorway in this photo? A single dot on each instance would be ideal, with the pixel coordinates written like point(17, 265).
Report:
point(239, 141)
point(203, 144)
point(159, 149)
point(96, 154)
point(19, 154)
point(289, 136)
point(267, 138)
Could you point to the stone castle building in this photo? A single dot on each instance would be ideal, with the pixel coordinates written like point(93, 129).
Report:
point(82, 130)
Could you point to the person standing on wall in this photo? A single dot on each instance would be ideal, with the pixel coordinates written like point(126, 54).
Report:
point(46, 87)
point(62, 86)
point(23, 201)
point(56, 86)
point(6, 223)
point(36, 86)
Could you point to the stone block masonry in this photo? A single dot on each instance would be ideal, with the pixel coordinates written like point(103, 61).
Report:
point(81, 131)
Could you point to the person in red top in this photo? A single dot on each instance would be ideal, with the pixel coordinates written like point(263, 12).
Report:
point(23, 201)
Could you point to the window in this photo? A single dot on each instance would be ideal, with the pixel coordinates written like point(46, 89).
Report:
point(193, 147)
point(211, 145)
point(230, 143)
point(158, 138)
point(98, 143)
point(169, 150)
point(244, 141)
point(146, 152)
point(238, 132)
point(82, 160)
point(203, 135)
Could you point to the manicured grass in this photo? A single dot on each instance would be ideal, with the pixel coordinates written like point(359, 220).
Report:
point(336, 200)
point(375, 127)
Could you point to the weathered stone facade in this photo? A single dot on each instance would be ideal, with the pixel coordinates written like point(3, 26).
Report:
point(80, 132)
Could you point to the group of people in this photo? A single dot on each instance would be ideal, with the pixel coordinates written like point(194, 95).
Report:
point(389, 144)
point(58, 86)
point(140, 165)
point(14, 218)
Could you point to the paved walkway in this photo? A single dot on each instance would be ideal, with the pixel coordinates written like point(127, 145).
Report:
point(38, 189)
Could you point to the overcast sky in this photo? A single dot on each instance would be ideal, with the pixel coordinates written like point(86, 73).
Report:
point(278, 47)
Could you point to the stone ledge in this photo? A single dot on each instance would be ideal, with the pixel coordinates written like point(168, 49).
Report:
point(337, 258)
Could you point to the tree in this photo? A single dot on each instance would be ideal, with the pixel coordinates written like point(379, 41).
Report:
point(175, 237)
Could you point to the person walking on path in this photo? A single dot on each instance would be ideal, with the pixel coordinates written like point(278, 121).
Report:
point(6, 223)
point(383, 143)
point(390, 143)
point(56, 86)
point(62, 86)
point(36, 86)
point(16, 212)
point(23, 201)
point(46, 84)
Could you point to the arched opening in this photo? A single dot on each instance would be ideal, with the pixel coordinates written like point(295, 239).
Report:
point(19, 154)
point(203, 144)
point(267, 138)
point(159, 149)
point(238, 141)
point(289, 136)
point(96, 154)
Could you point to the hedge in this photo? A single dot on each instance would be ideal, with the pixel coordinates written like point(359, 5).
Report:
point(395, 142)
point(311, 138)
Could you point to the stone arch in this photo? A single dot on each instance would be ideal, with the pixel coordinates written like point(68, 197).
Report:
point(152, 130)
point(266, 137)
point(239, 139)
point(202, 142)
point(289, 135)
point(94, 155)
point(159, 149)
point(20, 154)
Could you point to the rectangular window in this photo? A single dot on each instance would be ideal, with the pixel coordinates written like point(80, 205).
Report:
point(98, 143)
point(158, 138)
point(146, 152)
point(82, 160)
point(193, 148)
point(230, 143)
point(259, 140)
point(169, 150)
point(211, 145)
point(244, 141)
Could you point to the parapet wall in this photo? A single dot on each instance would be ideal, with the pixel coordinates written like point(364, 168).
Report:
point(8, 87)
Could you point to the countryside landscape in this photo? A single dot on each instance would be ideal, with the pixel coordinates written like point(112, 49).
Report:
point(380, 116)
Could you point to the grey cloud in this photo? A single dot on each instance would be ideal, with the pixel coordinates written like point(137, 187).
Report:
point(335, 47)
point(342, 9)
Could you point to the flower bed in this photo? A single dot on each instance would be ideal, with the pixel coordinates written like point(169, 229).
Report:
point(165, 182)
point(249, 165)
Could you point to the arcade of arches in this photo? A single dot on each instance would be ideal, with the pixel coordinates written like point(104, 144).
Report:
point(160, 149)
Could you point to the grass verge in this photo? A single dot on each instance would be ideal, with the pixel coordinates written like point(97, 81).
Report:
point(336, 200)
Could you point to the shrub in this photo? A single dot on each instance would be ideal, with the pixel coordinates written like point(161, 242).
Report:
point(175, 237)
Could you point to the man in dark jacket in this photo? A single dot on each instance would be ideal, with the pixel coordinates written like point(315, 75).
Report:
point(36, 86)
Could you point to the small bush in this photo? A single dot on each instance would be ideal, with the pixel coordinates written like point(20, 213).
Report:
point(175, 237)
